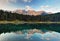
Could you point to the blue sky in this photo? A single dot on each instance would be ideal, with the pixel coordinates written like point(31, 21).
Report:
point(46, 5)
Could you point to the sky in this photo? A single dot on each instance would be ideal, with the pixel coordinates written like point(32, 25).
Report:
point(37, 5)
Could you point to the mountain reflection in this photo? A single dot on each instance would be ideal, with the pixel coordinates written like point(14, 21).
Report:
point(30, 35)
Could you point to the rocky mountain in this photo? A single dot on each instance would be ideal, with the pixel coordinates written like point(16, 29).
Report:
point(32, 12)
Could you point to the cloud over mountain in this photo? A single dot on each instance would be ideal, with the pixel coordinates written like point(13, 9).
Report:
point(48, 8)
point(27, 0)
point(28, 8)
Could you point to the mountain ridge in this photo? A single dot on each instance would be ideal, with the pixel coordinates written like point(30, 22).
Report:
point(31, 12)
point(9, 16)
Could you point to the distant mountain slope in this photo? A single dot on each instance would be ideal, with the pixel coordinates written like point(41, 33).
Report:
point(32, 12)
point(9, 16)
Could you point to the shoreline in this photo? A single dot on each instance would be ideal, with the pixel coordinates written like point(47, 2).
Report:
point(23, 22)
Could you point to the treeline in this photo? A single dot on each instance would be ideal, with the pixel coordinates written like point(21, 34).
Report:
point(9, 16)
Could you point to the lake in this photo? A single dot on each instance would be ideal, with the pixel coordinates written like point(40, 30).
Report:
point(29, 32)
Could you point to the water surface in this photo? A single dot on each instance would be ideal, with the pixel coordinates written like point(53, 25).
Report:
point(29, 32)
point(30, 35)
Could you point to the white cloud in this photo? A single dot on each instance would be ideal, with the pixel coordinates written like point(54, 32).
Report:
point(7, 1)
point(29, 8)
point(45, 6)
point(27, 0)
point(5, 4)
point(14, 1)
point(49, 9)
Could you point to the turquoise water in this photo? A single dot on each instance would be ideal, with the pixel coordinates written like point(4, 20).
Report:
point(29, 32)
point(16, 27)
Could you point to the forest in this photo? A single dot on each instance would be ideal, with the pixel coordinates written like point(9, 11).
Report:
point(9, 16)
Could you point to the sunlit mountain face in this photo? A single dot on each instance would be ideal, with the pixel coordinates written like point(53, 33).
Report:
point(32, 12)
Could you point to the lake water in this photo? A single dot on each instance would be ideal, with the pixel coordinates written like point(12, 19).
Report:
point(11, 32)
point(30, 35)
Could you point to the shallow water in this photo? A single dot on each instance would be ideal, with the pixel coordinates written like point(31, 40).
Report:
point(30, 35)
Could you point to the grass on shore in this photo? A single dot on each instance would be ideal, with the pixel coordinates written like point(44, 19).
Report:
point(22, 22)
